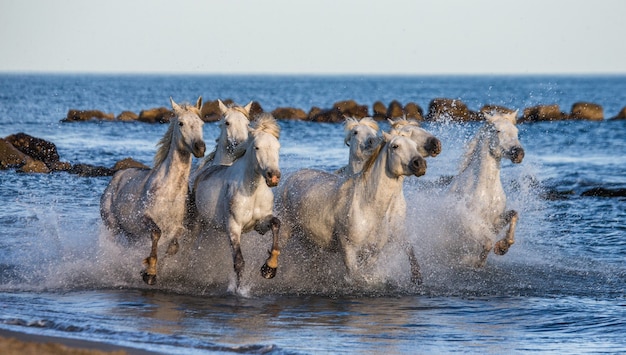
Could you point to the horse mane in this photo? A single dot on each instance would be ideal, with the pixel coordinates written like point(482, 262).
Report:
point(472, 146)
point(166, 141)
point(400, 122)
point(265, 122)
point(370, 161)
point(240, 109)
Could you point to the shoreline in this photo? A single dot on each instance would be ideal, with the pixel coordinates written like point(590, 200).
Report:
point(19, 343)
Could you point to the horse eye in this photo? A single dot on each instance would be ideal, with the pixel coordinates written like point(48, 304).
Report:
point(355, 133)
point(180, 124)
point(227, 123)
point(394, 146)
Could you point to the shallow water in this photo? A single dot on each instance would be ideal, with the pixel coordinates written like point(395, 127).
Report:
point(561, 288)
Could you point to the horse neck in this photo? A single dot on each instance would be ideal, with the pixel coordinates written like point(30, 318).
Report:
point(176, 167)
point(480, 167)
point(376, 184)
point(355, 163)
point(245, 167)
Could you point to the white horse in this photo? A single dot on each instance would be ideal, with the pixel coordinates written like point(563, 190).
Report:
point(477, 191)
point(352, 214)
point(427, 144)
point(234, 199)
point(362, 138)
point(151, 204)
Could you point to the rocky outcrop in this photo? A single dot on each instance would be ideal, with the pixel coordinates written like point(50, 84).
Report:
point(413, 111)
point(395, 110)
point(38, 149)
point(543, 113)
point(127, 116)
point(74, 115)
point(442, 109)
point(379, 111)
point(587, 111)
point(289, 113)
point(621, 115)
point(156, 115)
point(10, 157)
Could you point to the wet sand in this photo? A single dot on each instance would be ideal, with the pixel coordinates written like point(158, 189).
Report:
point(16, 343)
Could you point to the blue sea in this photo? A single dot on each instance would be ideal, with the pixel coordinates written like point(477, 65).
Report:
point(560, 289)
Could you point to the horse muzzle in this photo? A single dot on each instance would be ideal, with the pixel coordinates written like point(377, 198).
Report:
point(516, 154)
point(418, 166)
point(198, 149)
point(272, 178)
point(433, 146)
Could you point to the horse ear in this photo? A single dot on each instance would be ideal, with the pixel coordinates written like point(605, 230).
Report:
point(513, 116)
point(223, 107)
point(489, 117)
point(248, 107)
point(175, 106)
point(386, 136)
point(199, 103)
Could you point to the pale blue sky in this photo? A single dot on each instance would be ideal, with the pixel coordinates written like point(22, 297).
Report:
point(314, 37)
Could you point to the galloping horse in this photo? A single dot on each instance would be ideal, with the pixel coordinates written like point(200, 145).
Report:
point(478, 191)
point(233, 131)
point(237, 198)
point(352, 214)
point(427, 144)
point(142, 203)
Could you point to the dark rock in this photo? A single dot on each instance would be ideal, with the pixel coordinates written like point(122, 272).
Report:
point(210, 111)
point(156, 115)
point(127, 116)
point(33, 166)
point(128, 163)
point(288, 113)
point(36, 148)
point(88, 170)
point(395, 110)
point(442, 109)
point(380, 111)
point(604, 192)
point(351, 108)
point(414, 111)
point(74, 115)
point(587, 111)
point(542, 113)
point(255, 110)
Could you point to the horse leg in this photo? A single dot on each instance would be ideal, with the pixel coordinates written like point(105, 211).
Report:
point(416, 275)
point(502, 246)
point(238, 262)
point(150, 263)
point(268, 270)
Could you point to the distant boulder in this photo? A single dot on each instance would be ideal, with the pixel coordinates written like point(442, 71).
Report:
point(289, 113)
point(351, 108)
point(395, 110)
point(36, 148)
point(156, 115)
point(33, 166)
point(414, 111)
point(495, 109)
point(380, 111)
point(621, 115)
point(74, 115)
point(587, 111)
point(88, 170)
point(442, 109)
point(543, 113)
point(127, 116)
point(255, 110)
point(128, 163)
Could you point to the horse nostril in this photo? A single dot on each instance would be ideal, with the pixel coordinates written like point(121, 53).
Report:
point(517, 154)
point(419, 166)
point(199, 148)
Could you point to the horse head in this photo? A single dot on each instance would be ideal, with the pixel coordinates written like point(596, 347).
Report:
point(403, 157)
point(427, 144)
point(187, 127)
point(504, 136)
point(361, 136)
point(233, 125)
point(264, 145)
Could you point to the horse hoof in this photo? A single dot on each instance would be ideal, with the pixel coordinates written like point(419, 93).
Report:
point(268, 272)
point(149, 279)
point(501, 247)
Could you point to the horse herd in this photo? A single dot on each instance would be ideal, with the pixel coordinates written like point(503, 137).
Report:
point(355, 211)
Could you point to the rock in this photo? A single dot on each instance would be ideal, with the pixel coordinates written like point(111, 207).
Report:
point(542, 113)
point(127, 116)
point(74, 115)
point(255, 110)
point(495, 109)
point(442, 109)
point(33, 166)
point(380, 111)
point(394, 110)
point(587, 111)
point(351, 108)
point(288, 113)
point(621, 115)
point(414, 111)
point(156, 115)
point(128, 163)
point(10, 157)
point(36, 148)
point(88, 170)
point(604, 192)
point(211, 112)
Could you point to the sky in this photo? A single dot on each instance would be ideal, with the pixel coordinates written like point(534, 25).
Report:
point(314, 37)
